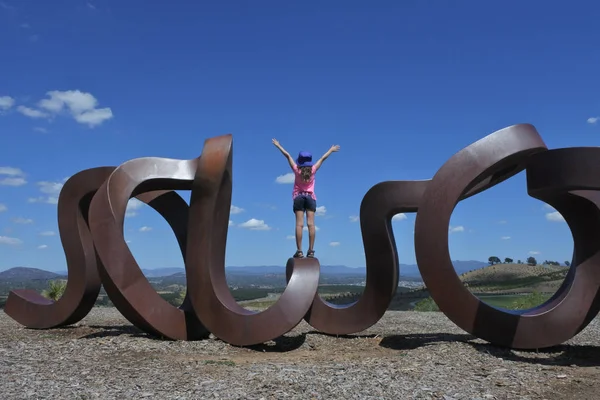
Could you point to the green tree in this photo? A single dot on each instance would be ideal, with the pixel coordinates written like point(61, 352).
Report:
point(426, 304)
point(568, 264)
point(531, 261)
point(493, 260)
point(181, 297)
point(55, 289)
point(519, 262)
point(508, 260)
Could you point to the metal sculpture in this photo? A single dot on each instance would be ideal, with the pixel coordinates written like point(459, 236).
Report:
point(33, 310)
point(563, 178)
point(123, 280)
point(210, 296)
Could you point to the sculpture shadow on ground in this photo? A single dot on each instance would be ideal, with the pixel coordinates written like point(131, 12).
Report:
point(107, 331)
point(560, 355)
point(347, 336)
point(417, 340)
point(281, 344)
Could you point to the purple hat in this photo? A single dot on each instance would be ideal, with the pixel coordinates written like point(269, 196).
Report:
point(304, 159)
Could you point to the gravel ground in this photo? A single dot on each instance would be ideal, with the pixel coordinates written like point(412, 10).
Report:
point(406, 355)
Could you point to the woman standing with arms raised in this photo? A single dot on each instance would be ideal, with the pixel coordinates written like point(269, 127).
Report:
point(303, 194)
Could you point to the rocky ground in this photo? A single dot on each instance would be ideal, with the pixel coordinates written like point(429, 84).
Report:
point(406, 355)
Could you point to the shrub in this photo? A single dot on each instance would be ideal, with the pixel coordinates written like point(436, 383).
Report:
point(55, 289)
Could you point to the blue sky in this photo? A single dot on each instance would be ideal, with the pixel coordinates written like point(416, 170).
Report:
point(400, 86)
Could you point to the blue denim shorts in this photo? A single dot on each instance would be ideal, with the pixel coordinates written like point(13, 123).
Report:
point(305, 202)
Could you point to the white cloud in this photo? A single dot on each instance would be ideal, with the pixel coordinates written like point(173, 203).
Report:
point(16, 177)
point(43, 246)
point(3, 207)
point(31, 112)
point(231, 223)
point(94, 117)
point(555, 217)
point(593, 120)
point(236, 210)
point(290, 237)
point(334, 244)
point(534, 253)
point(321, 211)
point(43, 199)
point(132, 206)
point(354, 218)
point(11, 171)
point(285, 179)
point(316, 228)
point(52, 189)
point(81, 106)
point(399, 217)
point(40, 129)
point(502, 222)
point(6, 102)
point(13, 182)
point(24, 221)
point(455, 229)
point(505, 238)
point(255, 225)
point(145, 229)
point(10, 241)
point(47, 233)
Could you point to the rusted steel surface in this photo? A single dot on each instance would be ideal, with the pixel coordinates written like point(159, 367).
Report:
point(207, 235)
point(131, 293)
point(566, 179)
point(33, 310)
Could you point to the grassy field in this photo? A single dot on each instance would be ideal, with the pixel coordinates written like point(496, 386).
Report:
point(510, 286)
point(509, 302)
point(515, 278)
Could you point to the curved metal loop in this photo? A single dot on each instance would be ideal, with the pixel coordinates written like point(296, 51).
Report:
point(379, 205)
point(152, 179)
point(567, 179)
point(500, 151)
point(207, 236)
point(33, 310)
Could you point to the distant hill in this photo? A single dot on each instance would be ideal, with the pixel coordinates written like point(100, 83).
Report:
point(515, 278)
point(276, 269)
point(159, 272)
point(25, 273)
point(407, 271)
point(460, 266)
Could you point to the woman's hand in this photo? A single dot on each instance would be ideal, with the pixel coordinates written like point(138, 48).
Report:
point(276, 142)
point(335, 148)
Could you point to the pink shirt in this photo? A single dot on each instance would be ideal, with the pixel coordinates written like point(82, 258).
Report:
point(301, 186)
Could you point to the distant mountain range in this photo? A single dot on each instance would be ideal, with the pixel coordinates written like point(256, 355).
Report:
point(25, 273)
point(409, 271)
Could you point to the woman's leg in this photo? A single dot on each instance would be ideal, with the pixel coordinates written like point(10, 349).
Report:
point(310, 221)
point(299, 226)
